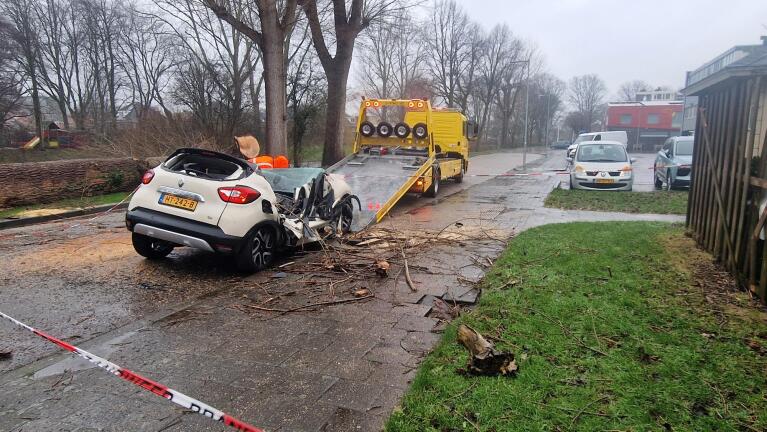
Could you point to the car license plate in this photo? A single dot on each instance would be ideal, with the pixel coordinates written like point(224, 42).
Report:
point(605, 180)
point(178, 202)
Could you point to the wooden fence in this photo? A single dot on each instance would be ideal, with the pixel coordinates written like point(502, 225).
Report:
point(729, 179)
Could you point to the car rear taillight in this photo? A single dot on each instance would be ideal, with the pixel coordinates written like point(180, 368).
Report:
point(147, 177)
point(238, 194)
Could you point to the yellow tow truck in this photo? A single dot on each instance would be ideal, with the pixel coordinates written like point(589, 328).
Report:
point(403, 146)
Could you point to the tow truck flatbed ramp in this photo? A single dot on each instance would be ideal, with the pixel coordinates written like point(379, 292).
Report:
point(379, 181)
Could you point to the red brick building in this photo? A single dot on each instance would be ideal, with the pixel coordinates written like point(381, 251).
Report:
point(647, 124)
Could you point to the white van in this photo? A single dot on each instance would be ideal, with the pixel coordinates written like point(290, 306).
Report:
point(619, 136)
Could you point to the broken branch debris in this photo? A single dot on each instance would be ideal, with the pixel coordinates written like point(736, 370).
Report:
point(485, 359)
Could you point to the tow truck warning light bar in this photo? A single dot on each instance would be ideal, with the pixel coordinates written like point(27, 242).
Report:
point(413, 104)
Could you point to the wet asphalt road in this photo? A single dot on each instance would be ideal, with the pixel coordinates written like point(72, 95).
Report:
point(176, 320)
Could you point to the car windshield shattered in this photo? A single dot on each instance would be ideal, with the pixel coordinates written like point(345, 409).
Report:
point(601, 153)
point(286, 180)
point(684, 148)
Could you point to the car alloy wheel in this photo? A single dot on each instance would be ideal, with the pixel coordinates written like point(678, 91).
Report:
point(262, 249)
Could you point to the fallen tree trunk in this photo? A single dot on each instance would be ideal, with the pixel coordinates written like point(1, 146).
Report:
point(43, 182)
point(485, 359)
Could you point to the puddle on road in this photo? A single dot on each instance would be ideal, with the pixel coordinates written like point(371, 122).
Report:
point(77, 363)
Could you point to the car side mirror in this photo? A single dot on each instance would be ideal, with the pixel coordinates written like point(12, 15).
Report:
point(633, 160)
point(569, 159)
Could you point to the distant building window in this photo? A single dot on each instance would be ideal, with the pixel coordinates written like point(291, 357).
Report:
point(625, 119)
point(676, 120)
point(653, 119)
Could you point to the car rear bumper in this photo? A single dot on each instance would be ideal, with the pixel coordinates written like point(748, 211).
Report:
point(180, 231)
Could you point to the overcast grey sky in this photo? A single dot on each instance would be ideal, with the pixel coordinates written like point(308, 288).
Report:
point(620, 40)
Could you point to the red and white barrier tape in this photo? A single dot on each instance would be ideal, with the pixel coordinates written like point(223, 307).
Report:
point(172, 395)
point(105, 212)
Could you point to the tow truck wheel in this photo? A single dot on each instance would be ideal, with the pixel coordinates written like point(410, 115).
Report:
point(367, 129)
point(434, 188)
point(420, 131)
point(258, 251)
point(151, 248)
point(384, 129)
point(401, 130)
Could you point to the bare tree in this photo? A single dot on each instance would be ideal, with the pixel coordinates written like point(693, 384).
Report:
point(511, 79)
point(20, 15)
point(586, 94)
point(449, 44)
point(392, 57)
point(306, 92)
point(545, 102)
point(269, 30)
point(348, 21)
point(467, 83)
point(220, 56)
point(10, 76)
point(148, 56)
point(627, 92)
point(500, 47)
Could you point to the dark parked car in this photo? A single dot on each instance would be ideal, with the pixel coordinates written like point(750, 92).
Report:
point(560, 145)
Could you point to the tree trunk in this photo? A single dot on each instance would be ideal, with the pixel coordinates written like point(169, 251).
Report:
point(335, 114)
point(276, 118)
point(275, 77)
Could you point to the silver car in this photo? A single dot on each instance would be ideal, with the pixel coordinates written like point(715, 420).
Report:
point(601, 165)
point(673, 164)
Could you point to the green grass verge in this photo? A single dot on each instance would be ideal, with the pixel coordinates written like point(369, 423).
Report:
point(65, 204)
point(660, 202)
point(609, 334)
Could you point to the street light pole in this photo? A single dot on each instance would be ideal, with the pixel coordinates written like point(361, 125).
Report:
point(548, 121)
point(527, 105)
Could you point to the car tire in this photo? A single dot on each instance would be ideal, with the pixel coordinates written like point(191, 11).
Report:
point(257, 253)
point(345, 218)
point(151, 248)
point(434, 188)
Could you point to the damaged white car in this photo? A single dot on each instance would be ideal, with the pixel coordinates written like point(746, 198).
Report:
point(218, 203)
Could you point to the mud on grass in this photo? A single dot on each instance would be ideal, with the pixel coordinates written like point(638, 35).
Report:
point(615, 327)
point(658, 202)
